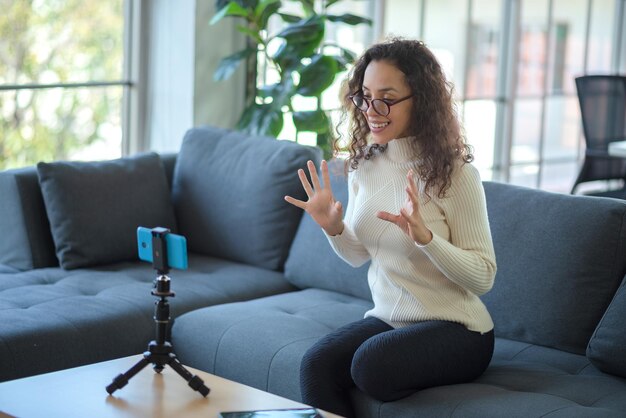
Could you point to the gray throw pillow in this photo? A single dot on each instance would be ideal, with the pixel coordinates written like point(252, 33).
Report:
point(560, 260)
point(26, 241)
point(607, 347)
point(94, 208)
point(229, 190)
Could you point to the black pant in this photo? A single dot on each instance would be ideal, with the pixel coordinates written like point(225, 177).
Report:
point(388, 363)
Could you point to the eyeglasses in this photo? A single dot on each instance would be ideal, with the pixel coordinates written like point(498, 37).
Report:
point(381, 106)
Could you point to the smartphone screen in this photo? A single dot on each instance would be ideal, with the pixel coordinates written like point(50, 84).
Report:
point(176, 248)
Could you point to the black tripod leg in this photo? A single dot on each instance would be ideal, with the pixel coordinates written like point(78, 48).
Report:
point(122, 379)
point(193, 380)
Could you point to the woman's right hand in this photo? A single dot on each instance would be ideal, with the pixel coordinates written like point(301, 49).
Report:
point(321, 205)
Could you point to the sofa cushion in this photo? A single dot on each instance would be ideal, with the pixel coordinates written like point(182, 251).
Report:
point(312, 261)
point(607, 347)
point(555, 276)
point(54, 319)
point(26, 241)
point(523, 380)
point(229, 191)
point(95, 208)
point(260, 342)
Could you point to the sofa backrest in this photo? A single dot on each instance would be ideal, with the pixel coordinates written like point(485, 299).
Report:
point(25, 238)
point(560, 260)
point(313, 263)
point(229, 190)
point(169, 163)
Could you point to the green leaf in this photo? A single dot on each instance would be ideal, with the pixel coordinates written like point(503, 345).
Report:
point(280, 92)
point(229, 64)
point(251, 33)
point(308, 6)
point(286, 56)
point(290, 18)
point(302, 40)
point(231, 9)
point(243, 3)
point(349, 19)
point(324, 141)
point(304, 31)
point(268, 91)
point(311, 121)
point(262, 119)
point(330, 3)
point(345, 57)
point(318, 75)
point(290, 54)
point(348, 55)
point(264, 10)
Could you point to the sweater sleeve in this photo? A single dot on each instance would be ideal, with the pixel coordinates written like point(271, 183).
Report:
point(347, 245)
point(469, 258)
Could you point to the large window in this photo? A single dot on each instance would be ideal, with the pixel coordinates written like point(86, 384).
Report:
point(513, 63)
point(63, 80)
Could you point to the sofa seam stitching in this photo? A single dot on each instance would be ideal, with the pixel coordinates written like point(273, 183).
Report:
point(267, 378)
point(219, 342)
point(522, 350)
point(554, 410)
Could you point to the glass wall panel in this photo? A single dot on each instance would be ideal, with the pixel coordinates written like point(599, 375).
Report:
point(445, 33)
point(402, 18)
point(569, 30)
point(533, 47)
point(558, 177)
point(555, 45)
point(601, 37)
point(562, 128)
point(483, 47)
point(60, 124)
point(479, 121)
point(526, 131)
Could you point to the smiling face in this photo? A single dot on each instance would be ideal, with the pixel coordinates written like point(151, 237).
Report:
point(382, 80)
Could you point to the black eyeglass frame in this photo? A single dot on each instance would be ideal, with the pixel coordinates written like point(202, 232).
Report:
point(371, 102)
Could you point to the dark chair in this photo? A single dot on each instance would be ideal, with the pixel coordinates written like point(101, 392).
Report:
point(602, 101)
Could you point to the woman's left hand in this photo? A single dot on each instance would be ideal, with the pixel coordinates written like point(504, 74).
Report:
point(410, 220)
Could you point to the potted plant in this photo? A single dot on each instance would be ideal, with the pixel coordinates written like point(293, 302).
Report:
point(305, 64)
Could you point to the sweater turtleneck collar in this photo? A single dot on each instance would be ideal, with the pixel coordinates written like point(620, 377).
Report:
point(400, 150)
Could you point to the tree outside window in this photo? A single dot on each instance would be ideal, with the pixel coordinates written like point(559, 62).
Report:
point(61, 80)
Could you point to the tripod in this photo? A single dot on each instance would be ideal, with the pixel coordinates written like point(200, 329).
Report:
point(159, 351)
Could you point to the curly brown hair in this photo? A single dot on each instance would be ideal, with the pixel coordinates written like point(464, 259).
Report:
point(438, 144)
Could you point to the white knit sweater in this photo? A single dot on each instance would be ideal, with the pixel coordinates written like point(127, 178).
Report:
point(440, 280)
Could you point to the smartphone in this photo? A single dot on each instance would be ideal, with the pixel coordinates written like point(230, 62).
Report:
point(176, 248)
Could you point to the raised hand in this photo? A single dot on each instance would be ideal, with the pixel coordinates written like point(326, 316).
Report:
point(410, 220)
point(321, 204)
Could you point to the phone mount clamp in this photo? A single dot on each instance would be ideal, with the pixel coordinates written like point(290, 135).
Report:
point(160, 351)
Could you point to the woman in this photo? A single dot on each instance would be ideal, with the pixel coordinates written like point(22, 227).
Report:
point(417, 210)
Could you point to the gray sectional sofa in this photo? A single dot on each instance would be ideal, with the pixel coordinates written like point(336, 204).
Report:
point(263, 284)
